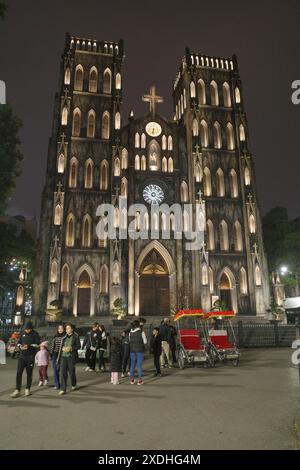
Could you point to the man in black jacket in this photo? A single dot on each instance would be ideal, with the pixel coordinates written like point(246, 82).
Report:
point(68, 356)
point(91, 342)
point(28, 344)
point(156, 350)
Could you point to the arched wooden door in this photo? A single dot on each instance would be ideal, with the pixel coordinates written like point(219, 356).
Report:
point(154, 286)
point(84, 294)
point(226, 291)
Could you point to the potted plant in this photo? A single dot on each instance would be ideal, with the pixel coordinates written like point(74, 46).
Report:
point(119, 311)
point(277, 313)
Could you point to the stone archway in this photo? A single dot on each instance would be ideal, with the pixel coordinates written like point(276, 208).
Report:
point(227, 289)
point(155, 281)
point(84, 292)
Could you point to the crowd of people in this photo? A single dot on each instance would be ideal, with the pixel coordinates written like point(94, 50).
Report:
point(126, 354)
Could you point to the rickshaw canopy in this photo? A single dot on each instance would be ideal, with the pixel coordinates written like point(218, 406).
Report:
point(220, 314)
point(189, 313)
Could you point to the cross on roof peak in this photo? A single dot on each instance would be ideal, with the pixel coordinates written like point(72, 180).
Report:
point(152, 98)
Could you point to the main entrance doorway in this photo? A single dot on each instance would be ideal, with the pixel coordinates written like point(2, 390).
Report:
point(154, 286)
point(84, 294)
point(226, 291)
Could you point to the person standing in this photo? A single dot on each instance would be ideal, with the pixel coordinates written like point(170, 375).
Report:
point(165, 333)
point(115, 360)
point(125, 352)
point(68, 356)
point(156, 350)
point(137, 342)
point(42, 359)
point(28, 345)
point(102, 347)
point(173, 334)
point(91, 342)
point(54, 351)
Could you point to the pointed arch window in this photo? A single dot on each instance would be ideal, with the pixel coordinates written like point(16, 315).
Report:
point(124, 159)
point(204, 274)
point(117, 121)
point(61, 163)
point(230, 136)
point(195, 128)
point(93, 80)
point(233, 183)
point(117, 169)
point(57, 215)
point(70, 231)
point(116, 273)
point(220, 183)
point(67, 79)
point(107, 81)
point(88, 177)
point(238, 239)
point(226, 95)
point(237, 95)
point(104, 279)
point(252, 224)
point(224, 241)
point(73, 173)
point(217, 136)
point(76, 122)
point(86, 231)
point(204, 133)
point(202, 92)
point(242, 133)
point(78, 82)
point(214, 94)
point(247, 176)
point(192, 90)
point(170, 143)
point(20, 296)
point(104, 175)
point(186, 221)
point(91, 124)
point(164, 164)
point(243, 282)
point(137, 163)
point(143, 141)
point(258, 279)
point(64, 116)
point(210, 235)
point(124, 187)
point(105, 125)
point(65, 279)
point(207, 182)
point(118, 81)
point(184, 98)
point(164, 142)
point(137, 140)
point(154, 155)
point(53, 272)
point(183, 192)
point(170, 165)
point(211, 281)
point(198, 173)
point(143, 163)
point(146, 221)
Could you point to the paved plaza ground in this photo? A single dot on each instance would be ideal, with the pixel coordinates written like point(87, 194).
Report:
point(253, 406)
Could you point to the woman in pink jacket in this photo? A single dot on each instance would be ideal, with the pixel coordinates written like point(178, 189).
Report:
point(42, 360)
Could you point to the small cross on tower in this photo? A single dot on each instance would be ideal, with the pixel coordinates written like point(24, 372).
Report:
point(153, 98)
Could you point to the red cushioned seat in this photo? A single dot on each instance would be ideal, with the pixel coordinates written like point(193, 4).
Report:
point(221, 342)
point(190, 339)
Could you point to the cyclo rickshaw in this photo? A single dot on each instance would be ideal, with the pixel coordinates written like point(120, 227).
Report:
point(192, 347)
point(221, 337)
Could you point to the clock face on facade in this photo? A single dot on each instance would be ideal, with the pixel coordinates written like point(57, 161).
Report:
point(153, 194)
point(153, 129)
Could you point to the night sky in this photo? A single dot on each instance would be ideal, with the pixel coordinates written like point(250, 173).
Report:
point(263, 34)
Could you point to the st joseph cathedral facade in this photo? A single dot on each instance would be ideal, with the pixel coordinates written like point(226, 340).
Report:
point(200, 156)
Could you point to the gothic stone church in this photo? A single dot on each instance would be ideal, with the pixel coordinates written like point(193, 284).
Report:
point(201, 155)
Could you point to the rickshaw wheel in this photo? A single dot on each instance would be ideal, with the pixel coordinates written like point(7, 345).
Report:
point(181, 361)
point(211, 362)
point(235, 362)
